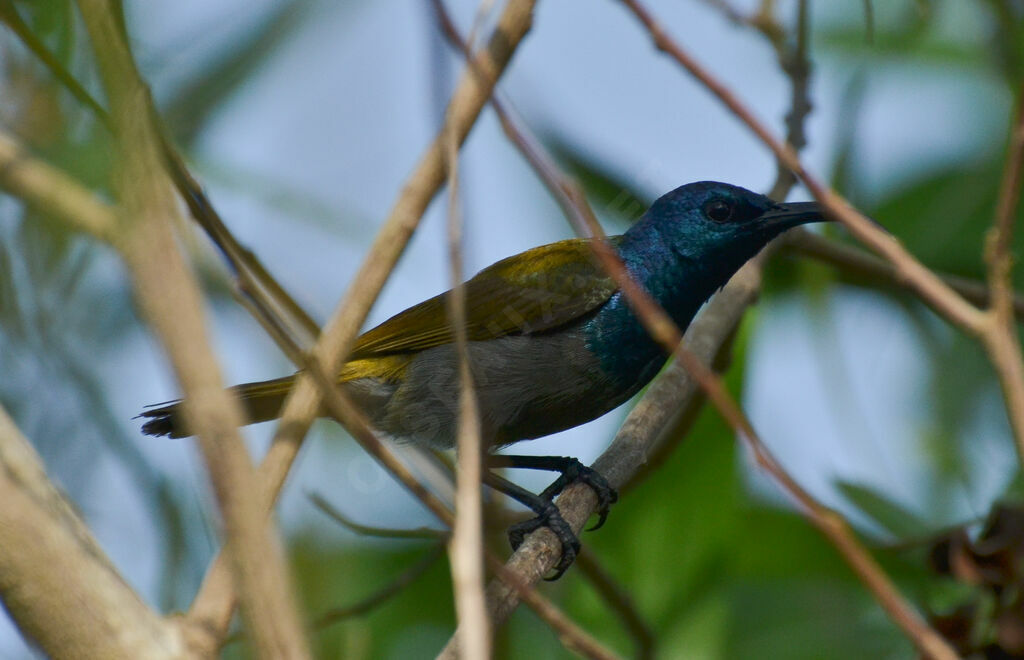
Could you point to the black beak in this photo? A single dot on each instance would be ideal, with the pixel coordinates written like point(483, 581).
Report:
point(791, 214)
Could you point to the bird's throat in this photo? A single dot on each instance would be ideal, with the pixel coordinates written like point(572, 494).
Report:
point(627, 353)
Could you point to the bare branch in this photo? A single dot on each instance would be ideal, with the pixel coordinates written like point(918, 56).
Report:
point(55, 580)
point(860, 263)
point(428, 533)
point(171, 299)
point(572, 636)
point(53, 191)
point(467, 541)
point(1000, 339)
point(797, 66)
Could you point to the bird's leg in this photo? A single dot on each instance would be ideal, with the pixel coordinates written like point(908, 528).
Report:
point(570, 470)
point(547, 515)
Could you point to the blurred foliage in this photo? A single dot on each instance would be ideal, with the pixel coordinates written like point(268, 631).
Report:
point(193, 102)
point(713, 569)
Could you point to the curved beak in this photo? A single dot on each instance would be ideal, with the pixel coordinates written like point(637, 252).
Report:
point(791, 214)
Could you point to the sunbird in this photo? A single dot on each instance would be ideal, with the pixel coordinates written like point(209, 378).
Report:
point(552, 341)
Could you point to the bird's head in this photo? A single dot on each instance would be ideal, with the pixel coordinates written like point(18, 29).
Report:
point(710, 220)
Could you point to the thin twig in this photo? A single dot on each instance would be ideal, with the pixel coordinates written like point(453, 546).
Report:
point(385, 593)
point(50, 189)
point(860, 263)
point(571, 635)
point(335, 514)
point(10, 16)
point(1001, 340)
point(796, 64)
point(467, 541)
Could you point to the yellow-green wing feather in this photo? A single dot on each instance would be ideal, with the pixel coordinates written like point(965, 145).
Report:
point(537, 290)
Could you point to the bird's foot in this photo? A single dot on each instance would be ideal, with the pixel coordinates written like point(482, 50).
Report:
point(549, 517)
point(574, 471)
point(570, 470)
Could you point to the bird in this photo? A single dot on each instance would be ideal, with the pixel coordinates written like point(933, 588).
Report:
point(552, 341)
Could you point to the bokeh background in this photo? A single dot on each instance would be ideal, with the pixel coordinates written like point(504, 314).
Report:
point(303, 118)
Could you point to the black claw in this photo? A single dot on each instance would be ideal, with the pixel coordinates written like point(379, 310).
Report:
point(553, 520)
point(519, 531)
point(602, 515)
point(606, 495)
point(570, 470)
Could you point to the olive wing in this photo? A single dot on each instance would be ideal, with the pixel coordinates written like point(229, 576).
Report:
point(531, 292)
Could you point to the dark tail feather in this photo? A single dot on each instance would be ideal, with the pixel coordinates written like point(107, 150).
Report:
point(261, 402)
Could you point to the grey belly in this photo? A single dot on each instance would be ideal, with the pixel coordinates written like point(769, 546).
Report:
point(526, 387)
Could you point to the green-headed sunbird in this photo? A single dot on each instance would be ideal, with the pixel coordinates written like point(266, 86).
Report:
point(553, 343)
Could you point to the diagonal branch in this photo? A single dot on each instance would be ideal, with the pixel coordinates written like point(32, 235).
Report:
point(171, 300)
point(862, 264)
point(55, 580)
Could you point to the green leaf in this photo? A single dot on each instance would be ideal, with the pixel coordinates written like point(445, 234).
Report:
point(888, 514)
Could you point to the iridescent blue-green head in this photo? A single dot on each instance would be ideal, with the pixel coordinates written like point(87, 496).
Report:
point(720, 224)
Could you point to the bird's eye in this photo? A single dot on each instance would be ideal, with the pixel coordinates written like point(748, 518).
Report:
point(718, 210)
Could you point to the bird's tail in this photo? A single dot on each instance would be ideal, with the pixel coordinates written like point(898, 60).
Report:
point(260, 401)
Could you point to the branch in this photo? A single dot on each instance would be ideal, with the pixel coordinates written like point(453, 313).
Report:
point(1000, 339)
point(467, 541)
point(391, 589)
point(418, 533)
point(797, 67)
point(860, 263)
point(794, 62)
point(54, 192)
point(171, 299)
point(212, 608)
point(55, 580)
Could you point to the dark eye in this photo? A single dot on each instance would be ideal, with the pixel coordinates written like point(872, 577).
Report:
point(718, 210)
